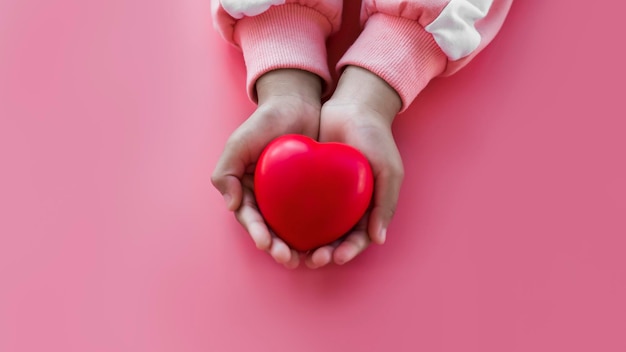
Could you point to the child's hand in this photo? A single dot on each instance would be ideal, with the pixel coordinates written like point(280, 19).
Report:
point(360, 114)
point(289, 102)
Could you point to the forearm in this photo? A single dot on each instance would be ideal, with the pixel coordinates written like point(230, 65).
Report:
point(271, 37)
point(358, 86)
point(292, 83)
point(408, 43)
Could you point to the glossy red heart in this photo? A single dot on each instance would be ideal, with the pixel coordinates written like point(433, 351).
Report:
point(311, 193)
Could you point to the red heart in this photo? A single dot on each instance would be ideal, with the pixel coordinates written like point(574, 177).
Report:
point(311, 193)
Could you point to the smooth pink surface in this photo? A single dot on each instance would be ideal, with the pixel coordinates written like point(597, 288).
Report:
point(509, 236)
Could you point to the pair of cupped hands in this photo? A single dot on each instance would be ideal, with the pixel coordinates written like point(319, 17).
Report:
point(359, 113)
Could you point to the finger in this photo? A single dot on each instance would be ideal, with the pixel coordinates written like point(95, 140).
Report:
point(355, 243)
point(320, 257)
point(387, 190)
point(294, 262)
point(230, 188)
point(324, 255)
point(249, 216)
point(280, 251)
point(230, 169)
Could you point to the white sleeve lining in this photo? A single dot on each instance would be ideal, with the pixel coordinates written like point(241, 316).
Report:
point(247, 8)
point(455, 30)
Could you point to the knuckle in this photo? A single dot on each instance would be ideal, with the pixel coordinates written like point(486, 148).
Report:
point(233, 141)
point(365, 241)
point(249, 202)
point(387, 210)
point(394, 173)
point(387, 213)
point(391, 211)
point(217, 181)
point(360, 241)
point(397, 170)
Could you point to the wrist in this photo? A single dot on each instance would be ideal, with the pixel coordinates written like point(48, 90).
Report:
point(290, 83)
point(359, 86)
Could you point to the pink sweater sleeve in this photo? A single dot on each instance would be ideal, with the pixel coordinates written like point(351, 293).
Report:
point(274, 34)
point(407, 43)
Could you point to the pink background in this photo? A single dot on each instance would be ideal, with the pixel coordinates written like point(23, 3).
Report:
point(510, 232)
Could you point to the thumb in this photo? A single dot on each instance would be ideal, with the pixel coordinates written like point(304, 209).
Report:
point(386, 192)
point(230, 188)
point(228, 173)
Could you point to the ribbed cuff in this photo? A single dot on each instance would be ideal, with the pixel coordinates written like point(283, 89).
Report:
point(285, 36)
point(398, 50)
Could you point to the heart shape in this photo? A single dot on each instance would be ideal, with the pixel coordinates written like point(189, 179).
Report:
point(311, 193)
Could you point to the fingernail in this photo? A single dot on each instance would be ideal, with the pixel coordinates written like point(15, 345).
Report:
point(227, 199)
point(345, 259)
point(383, 235)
